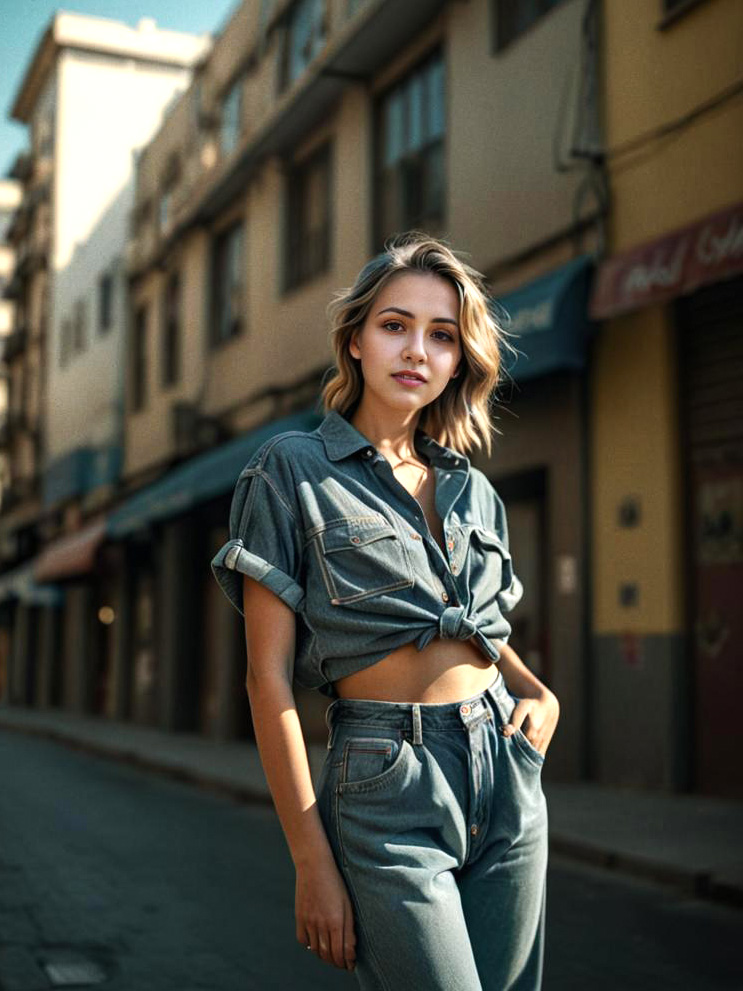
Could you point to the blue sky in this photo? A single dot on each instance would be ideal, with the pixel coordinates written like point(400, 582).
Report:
point(24, 21)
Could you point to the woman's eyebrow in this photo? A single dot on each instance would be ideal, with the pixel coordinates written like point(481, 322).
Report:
point(407, 313)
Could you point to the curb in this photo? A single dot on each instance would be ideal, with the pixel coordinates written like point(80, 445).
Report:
point(696, 884)
point(240, 793)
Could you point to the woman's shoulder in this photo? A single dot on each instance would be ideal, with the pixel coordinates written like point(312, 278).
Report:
point(290, 448)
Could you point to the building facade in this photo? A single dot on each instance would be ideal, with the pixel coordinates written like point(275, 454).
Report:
point(667, 406)
point(312, 133)
point(566, 148)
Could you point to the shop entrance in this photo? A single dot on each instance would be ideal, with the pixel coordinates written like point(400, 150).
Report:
point(711, 326)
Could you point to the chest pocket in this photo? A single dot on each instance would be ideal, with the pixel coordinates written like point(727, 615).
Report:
point(360, 557)
point(491, 559)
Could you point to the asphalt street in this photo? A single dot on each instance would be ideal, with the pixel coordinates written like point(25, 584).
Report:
point(144, 883)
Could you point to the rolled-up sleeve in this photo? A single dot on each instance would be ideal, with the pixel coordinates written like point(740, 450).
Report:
point(511, 590)
point(264, 542)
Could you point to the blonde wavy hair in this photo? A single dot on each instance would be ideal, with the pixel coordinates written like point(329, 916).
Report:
point(461, 416)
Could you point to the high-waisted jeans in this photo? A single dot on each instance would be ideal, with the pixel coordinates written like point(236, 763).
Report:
point(438, 824)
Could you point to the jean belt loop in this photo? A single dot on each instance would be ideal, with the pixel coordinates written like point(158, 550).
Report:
point(417, 728)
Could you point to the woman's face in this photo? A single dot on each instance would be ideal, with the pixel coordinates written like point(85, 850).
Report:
point(413, 325)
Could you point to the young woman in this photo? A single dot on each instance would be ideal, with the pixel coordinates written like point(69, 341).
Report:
point(371, 561)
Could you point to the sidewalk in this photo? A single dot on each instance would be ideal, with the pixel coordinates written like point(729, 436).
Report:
point(690, 841)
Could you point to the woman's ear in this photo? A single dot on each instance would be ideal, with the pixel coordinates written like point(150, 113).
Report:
point(353, 347)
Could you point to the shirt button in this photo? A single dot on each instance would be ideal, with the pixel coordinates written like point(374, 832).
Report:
point(450, 544)
point(474, 829)
point(445, 596)
point(368, 452)
point(454, 569)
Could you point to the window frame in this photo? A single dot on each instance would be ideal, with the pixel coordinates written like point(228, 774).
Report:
point(65, 341)
point(171, 314)
point(502, 40)
point(105, 302)
point(317, 38)
point(303, 261)
point(413, 164)
point(138, 379)
point(80, 325)
point(222, 245)
point(232, 105)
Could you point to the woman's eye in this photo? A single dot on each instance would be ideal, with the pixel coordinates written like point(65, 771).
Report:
point(447, 336)
point(391, 322)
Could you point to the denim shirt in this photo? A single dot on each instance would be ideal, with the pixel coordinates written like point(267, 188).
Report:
point(320, 519)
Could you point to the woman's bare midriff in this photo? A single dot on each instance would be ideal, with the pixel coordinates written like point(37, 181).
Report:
point(444, 671)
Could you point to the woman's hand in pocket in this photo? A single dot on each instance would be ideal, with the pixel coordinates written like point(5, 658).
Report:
point(324, 913)
point(536, 718)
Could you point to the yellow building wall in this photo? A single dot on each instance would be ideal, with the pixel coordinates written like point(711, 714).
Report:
point(653, 78)
point(635, 451)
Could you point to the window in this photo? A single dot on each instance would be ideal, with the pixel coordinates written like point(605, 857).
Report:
point(141, 216)
point(65, 342)
point(163, 213)
point(674, 8)
point(171, 330)
point(139, 359)
point(411, 128)
point(105, 302)
point(513, 17)
point(231, 120)
point(6, 217)
point(43, 133)
point(168, 182)
point(308, 218)
point(305, 37)
point(80, 326)
point(227, 283)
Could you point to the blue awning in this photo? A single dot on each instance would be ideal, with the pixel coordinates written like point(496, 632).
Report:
point(19, 583)
point(549, 318)
point(204, 477)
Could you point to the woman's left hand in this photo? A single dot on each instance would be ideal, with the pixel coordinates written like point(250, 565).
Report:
point(537, 718)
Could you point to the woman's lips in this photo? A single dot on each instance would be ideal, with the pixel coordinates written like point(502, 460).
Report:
point(408, 380)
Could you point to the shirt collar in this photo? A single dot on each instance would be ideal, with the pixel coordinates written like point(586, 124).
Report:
point(342, 439)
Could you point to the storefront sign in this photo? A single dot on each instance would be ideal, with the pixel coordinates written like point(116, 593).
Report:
point(679, 263)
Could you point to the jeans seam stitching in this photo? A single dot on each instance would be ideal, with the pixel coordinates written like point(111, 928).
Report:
point(367, 931)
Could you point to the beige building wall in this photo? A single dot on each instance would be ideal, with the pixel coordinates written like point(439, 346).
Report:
point(507, 114)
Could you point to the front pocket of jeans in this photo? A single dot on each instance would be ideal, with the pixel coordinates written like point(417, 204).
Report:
point(528, 747)
point(362, 557)
point(369, 762)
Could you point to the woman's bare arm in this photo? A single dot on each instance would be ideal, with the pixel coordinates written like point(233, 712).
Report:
point(323, 910)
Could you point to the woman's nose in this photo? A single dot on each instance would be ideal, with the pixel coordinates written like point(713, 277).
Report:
point(415, 346)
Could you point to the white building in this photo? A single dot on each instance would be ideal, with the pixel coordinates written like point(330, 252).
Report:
point(10, 198)
point(95, 91)
point(93, 94)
